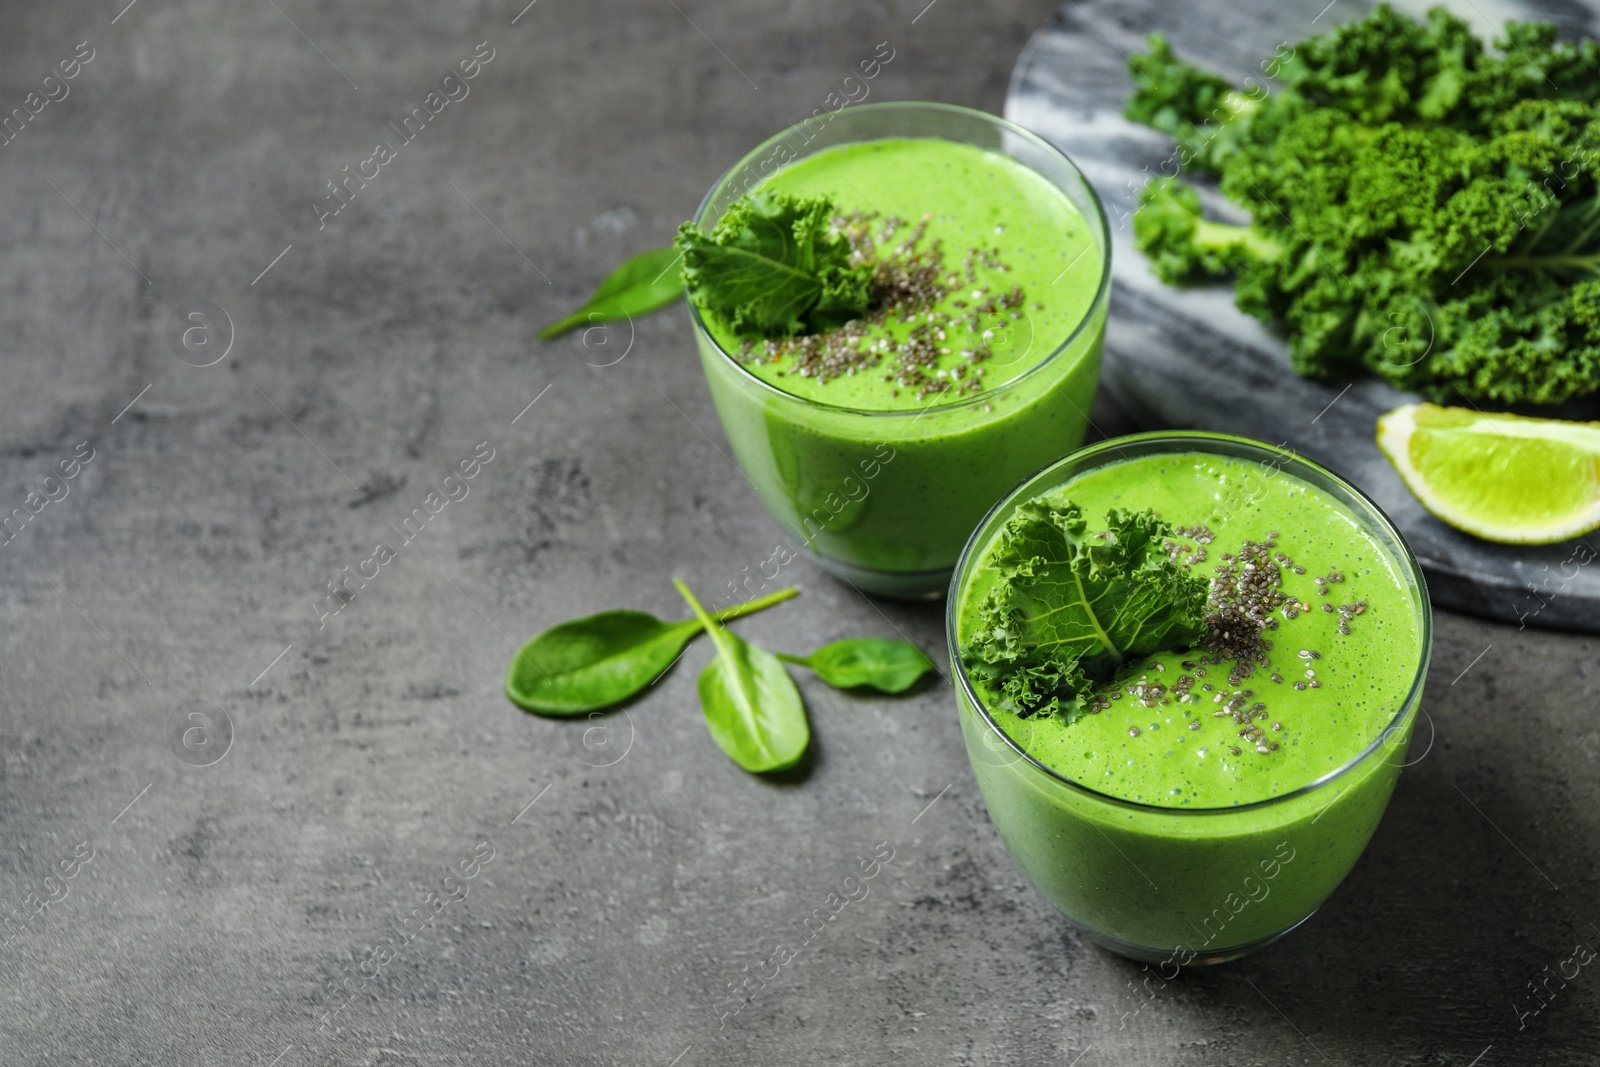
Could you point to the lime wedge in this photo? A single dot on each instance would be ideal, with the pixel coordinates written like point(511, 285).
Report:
point(1503, 478)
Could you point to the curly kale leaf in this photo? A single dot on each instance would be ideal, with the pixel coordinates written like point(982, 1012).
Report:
point(1183, 245)
point(1388, 67)
point(1071, 608)
point(1200, 110)
point(1423, 209)
point(775, 267)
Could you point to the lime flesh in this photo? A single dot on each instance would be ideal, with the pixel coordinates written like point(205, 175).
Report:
point(1505, 478)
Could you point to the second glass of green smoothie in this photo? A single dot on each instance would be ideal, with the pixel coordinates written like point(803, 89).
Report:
point(1206, 805)
point(884, 480)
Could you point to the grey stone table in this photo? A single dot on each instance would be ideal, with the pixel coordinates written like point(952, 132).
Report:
point(304, 836)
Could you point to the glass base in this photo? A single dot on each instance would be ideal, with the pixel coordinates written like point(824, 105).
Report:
point(900, 585)
point(1209, 958)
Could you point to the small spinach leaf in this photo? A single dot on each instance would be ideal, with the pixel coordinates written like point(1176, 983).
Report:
point(600, 660)
point(594, 661)
point(751, 705)
point(886, 665)
point(642, 284)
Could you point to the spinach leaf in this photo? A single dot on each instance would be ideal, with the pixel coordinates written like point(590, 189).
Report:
point(884, 664)
point(775, 267)
point(751, 705)
point(1073, 607)
point(600, 660)
point(642, 284)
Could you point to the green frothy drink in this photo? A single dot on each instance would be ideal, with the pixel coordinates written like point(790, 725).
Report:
point(1207, 805)
point(883, 467)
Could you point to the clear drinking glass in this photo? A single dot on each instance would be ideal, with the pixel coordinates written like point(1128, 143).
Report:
point(885, 500)
point(1184, 886)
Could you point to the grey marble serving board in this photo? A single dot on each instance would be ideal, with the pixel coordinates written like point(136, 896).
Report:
point(1190, 359)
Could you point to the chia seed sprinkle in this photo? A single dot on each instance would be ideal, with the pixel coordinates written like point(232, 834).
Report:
point(1244, 592)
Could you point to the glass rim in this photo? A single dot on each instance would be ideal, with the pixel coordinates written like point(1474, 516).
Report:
point(1006, 125)
point(1201, 441)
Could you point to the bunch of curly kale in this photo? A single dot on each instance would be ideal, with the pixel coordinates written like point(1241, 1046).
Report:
point(1422, 207)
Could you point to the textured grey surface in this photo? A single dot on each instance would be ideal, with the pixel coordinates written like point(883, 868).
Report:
point(1188, 357)
point(374, 753)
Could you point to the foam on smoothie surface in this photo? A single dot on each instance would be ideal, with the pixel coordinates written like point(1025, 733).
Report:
point(1154, 755)
point(970, 199)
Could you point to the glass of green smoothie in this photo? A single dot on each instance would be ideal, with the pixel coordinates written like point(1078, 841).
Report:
point(881, 452)
point(1204, 800)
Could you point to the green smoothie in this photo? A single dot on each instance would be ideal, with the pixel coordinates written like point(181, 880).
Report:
point(1211, 806)
point(883, 461)
point(1019, 262)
